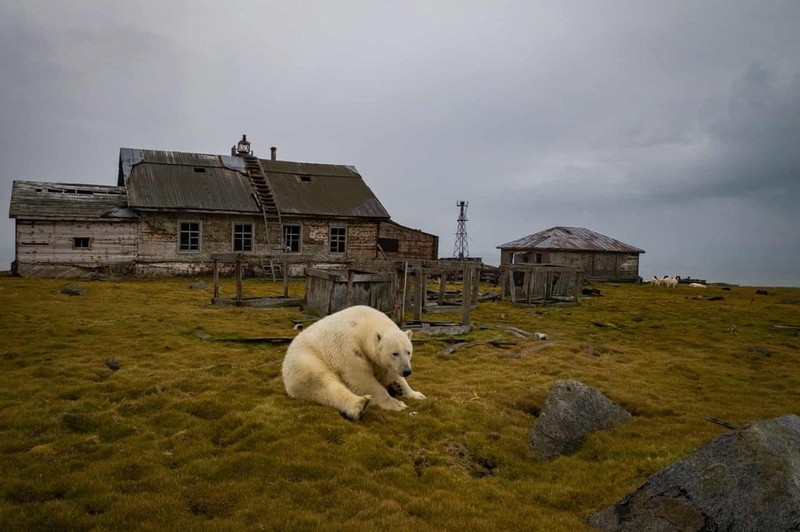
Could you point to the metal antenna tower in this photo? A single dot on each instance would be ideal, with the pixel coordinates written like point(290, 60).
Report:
point(461, 249)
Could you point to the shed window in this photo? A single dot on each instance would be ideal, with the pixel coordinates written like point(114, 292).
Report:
point(291, 238)
point(81, 242)
point(389, 245)
point(242, 237)
point(305, 178)
point(188, 236)
point(199, 170)
point(338, 239)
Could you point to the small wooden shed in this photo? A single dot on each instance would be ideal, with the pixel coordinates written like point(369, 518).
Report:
point(329, 291)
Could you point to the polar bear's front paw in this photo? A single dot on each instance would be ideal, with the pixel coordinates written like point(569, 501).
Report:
point(394, 404)
point(395, 389)
point(416, 395)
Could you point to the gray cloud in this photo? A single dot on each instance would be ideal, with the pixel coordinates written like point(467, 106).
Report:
point(667, 125)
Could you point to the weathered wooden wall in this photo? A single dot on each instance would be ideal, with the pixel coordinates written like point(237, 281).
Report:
point(412, 244)
point(328, 291)
point(595, 264)
point(53, 242)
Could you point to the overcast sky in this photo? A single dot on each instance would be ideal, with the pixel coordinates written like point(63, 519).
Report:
point(672, 126)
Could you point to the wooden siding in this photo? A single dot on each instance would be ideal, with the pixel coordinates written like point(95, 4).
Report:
point(53, 242)
point(595, 264)
point(412, 244)
point(328, 291)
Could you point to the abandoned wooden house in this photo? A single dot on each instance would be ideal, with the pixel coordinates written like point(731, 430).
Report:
point(600, 257)
point(171, 211)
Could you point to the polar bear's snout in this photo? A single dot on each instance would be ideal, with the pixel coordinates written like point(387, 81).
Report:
point(406, 371)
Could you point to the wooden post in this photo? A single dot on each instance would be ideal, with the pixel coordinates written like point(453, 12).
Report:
point(442, 283)
point(548, 280)
point(216, 279)
point(466, 290)
point(476, 285)
point(401, 321)
point(349, 295)
point(238, 278)
point(526, 284)
point(285, 268)
point(419, 292)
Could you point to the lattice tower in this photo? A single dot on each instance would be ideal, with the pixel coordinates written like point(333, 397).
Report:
point(461, 249)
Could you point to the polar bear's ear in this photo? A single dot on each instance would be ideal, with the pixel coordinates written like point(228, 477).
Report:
point(409, 333)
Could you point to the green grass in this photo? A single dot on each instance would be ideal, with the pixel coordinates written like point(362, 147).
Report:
point(191, 433)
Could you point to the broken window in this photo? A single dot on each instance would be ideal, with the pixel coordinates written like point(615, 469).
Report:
point(389, 245)
point(291, 238)
point(81, 242)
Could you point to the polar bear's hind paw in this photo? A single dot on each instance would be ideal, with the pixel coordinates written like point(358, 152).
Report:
point(354, 414)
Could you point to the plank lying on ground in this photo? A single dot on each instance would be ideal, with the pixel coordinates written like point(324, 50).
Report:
point(497, 342)
point(530, 349)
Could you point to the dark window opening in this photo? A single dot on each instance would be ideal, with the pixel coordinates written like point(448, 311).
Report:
point(199, 170)
point(389, 245)
point(189, 236)
point(338, 239)
point(305, 178)
point(81, 242)
point(291, 238)
point(538, 258)
point(242, 237)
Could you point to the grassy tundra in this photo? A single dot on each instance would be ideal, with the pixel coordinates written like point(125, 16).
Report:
point(192, 434)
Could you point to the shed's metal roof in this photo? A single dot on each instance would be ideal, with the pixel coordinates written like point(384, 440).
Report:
point(37, 200)
point(185, 181)
point(321, 189)
point(570, 239)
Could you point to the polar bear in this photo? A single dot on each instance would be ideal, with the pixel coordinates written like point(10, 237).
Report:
point(349, 358)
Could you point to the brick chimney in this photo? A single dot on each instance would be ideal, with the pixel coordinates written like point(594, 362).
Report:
point(274, 153)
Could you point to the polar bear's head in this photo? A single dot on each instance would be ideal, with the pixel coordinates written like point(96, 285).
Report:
point(394, 350)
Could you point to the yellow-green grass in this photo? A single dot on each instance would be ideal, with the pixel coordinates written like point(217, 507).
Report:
point(192, 434)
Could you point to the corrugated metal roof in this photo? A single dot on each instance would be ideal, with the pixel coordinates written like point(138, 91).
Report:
point(37, 200)
point(174, 187)
point(196, 181)
point(570, 239)
point(321, 189)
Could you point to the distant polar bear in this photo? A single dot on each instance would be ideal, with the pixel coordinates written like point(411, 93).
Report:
point(349, 358)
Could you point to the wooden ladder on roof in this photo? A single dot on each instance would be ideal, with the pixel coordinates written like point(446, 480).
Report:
point(269, 208)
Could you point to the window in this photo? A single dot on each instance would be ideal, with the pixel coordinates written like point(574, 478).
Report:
point(242, 237)
point(305, 178)
point(338, 239)
point(188, 236)
point(81, 242)
point(538, 258)
point(291, 238)
point(389, 245)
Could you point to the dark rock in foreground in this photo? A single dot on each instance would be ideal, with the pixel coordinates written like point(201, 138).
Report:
point(748, 479)
point(572, 411)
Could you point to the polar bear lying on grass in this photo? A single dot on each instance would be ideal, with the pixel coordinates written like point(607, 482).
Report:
point(349, 358)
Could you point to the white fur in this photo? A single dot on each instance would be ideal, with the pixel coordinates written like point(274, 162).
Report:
point(348, 359)
point(669, 282)
point(697, 285)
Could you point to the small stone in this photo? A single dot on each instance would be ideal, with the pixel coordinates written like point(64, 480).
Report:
point(199, 285)
point(112, 364)
point(73, 290)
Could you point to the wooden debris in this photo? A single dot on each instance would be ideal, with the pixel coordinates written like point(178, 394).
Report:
point(496, 342)
point(530, 349)
point(722, 422)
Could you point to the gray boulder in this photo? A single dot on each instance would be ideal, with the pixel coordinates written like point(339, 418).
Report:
point(73, 290)
point(572, 411)
point(747, 479)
